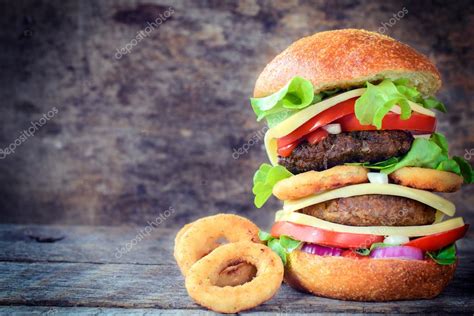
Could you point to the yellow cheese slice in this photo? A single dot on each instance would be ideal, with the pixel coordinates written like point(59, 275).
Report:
point(425, 197)
point(439, 216)
point(408, 231)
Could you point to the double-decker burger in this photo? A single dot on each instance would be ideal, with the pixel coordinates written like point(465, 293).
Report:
point(355, 158)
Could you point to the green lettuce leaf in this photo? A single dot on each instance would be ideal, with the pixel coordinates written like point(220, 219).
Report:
point(466, 169)
point(429, 153)
point(403, 86)
point(275, 245)
point(441, 141)
point(282, 245)
point(445, 256)
point(264, 236)
point(378, 165)
point(412, 94)
point(297, 94)
point(289, 244)
point(449, 165)
point(432, 103)
point(377, 101)
point(265, 179)
point(424, 153)
point(433, 153)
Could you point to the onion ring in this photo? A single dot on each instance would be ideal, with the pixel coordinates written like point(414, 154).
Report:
point(201, 278)
point(197, 239)
point(311, 182)
point(427, 179)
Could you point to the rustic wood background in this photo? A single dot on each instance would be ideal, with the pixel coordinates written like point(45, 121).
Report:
point(157, 128)
point(79, 271)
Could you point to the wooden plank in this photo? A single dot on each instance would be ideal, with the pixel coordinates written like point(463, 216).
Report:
point(81, 270)
point(149, 286)
point(86, 244)
point(96, 285)
point(56, 311)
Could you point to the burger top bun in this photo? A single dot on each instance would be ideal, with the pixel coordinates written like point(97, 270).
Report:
point(348, 58)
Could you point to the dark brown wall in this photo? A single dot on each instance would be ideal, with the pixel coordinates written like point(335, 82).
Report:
point(157, 127)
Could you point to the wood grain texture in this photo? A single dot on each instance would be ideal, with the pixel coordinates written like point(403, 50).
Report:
point(158, 127)
point(86, 277)
point(56, 311)
point(87, 244)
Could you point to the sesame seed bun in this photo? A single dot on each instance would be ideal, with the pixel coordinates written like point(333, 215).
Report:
point(348, 58)
point(366, 279)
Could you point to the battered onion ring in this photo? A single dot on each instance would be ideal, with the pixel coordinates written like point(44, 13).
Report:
point(427, 179)
point(197, 239)
point(230, 276)
point(200, 281)
point(311, 182)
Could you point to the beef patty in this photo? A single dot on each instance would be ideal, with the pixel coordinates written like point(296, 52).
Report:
point(358, 146)
point(373, 210)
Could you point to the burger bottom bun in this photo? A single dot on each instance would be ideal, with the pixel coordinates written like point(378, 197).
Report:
point(366, 279)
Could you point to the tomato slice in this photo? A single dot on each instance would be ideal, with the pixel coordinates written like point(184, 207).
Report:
point(285, 151)
point(417, 122)
point(317, 136)
point(440, 240)
point(322, 119)
point(324, 237)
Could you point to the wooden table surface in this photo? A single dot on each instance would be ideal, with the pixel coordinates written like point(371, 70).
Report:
point(65, 269)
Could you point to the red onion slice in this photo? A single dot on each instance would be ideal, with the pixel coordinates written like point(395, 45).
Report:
point(321, 250)
point(398, 252)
